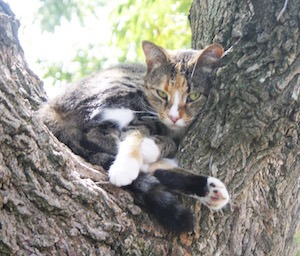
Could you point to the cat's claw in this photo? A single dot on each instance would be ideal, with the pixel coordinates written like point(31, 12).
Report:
point(123, 171)
point(217, 195)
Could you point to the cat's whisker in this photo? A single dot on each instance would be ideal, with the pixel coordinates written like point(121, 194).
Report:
point(194, 68)
point(146, 112)
point(150, 117)
point(149, 109)
point(124, 120)
point(154, 114)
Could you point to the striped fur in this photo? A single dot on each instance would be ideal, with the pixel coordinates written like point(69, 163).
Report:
point(131, 116)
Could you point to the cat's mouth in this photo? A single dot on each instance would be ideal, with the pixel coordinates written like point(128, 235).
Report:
point(178, 125)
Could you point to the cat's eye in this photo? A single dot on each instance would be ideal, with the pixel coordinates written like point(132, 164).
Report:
point(193, 96)
point(162, 94)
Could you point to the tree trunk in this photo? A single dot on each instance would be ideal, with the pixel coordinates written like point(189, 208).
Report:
point(54, 203)
point(248, 134)
point(49, 201)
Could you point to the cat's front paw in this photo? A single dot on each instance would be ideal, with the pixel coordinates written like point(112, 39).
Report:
point(216, 196)
point(150, 151)
point(123, 171)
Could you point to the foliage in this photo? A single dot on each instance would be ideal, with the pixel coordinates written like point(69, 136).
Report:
point(163, 22)
point(83, 64)
point(51, 12)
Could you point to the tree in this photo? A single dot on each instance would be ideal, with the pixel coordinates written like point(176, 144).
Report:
point(248, 135)
point(135, 21)
point(54, 203)
point(131, 22)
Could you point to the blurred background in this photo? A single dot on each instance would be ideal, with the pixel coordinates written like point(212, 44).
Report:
point(65, 40)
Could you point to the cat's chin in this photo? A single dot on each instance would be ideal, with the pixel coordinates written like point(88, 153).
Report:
point(176, 127)
point(179, 126)
point(176, 131)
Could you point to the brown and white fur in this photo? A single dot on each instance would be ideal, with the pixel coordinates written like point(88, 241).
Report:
point(130, 118)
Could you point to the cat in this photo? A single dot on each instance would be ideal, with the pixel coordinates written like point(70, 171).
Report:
point(130, 118)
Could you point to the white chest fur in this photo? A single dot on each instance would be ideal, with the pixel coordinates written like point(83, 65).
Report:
point(121, 116)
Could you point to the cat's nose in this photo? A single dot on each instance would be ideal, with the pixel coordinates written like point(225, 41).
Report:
point(174, 119)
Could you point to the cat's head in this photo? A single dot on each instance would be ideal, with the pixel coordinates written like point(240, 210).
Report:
point(177, 82)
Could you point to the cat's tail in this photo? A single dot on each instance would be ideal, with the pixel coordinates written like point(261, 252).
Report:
point(158, 201)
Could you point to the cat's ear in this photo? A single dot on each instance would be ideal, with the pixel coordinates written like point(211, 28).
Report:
point(155, 55)
point(208, 58)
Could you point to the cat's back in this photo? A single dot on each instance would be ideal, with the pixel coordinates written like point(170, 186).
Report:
point(103, 88)
point(120, 77)
point(119, 87)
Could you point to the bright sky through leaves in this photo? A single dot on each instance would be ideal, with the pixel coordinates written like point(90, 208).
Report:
point(110, 33)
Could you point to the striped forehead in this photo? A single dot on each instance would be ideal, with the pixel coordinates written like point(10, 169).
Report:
point(177, 83)
point(178, 80)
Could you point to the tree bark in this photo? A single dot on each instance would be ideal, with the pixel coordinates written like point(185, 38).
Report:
point(49, 199)
point(54, 203)
point(248, 134)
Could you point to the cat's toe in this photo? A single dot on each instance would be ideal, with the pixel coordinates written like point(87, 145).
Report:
point(150, 151)
point(123, 171)
point(217, 195)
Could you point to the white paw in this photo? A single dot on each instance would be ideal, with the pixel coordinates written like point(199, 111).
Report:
point(217, 195)
point(150, 151)
point(123, 171)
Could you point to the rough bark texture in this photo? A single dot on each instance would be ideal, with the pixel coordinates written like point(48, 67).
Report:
point(49, 201)
point(248, 135)
point(53, 203)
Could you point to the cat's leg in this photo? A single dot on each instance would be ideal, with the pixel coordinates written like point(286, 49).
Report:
point(128, 162)
point(209, 190)
point(164, 163)
point(157, 200)
point(155, 148)
point(137, 152)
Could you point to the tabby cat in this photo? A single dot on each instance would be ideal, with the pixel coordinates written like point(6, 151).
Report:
point(130, 118)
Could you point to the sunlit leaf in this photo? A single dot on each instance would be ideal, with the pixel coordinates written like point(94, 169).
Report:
point(162, 22)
